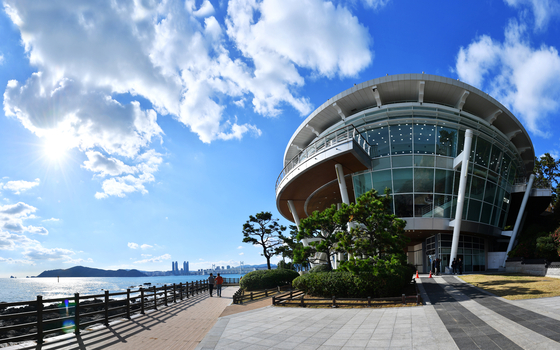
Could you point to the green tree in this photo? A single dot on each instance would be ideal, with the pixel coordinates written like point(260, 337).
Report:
point(375, 241)
point(263, 230)
point(547, 173)
point(324, 225)
point(290, 246)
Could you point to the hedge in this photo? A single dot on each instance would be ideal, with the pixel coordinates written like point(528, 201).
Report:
point(344, 284)
point(267, 279)
point(320, 268)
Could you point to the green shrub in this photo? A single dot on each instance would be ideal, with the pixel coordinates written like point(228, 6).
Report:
point(267, 279)
point(320, 268)
point(345, 284)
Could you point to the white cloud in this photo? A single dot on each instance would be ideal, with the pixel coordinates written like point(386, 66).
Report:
point(145, 255)
point(16, 261)
point(13, 215)
point(52, 220)
point(12, 241)
point(375, 4)
point(242, 253)
point(175, 55)
point(154, 259)
point(543, 10)
point(20, 186)
point(525, 78)
point(146, 246)
point(98, 163)
point(240, 247)
point(1, 59)
point(132, 245)
point(78, 261)
point(41, 253)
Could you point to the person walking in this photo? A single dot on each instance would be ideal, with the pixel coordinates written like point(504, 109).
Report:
point(460, 266)
point(219, 281)
point(436, 272)
point(454, 266)
point(211, 280)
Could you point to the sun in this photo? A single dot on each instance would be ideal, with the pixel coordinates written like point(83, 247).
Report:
point(56, 147)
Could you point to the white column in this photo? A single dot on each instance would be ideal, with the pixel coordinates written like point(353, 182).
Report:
point(342, 184)
point(461, 196)
point(292, 208)
point(519, 216)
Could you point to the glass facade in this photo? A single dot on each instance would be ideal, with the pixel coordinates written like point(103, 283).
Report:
point(471, 250)
point(413, 157)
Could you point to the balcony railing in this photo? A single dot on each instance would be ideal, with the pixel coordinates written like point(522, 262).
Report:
point(348, 132)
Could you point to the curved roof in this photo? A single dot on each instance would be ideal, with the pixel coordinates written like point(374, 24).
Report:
point(406, 88)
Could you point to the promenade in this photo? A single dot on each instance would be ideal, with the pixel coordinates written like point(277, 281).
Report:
point(456, 315)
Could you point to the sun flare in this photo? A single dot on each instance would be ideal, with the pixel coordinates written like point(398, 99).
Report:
point(55, 147)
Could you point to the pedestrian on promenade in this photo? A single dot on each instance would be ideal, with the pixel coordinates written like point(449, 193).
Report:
point(460, 266)
point(219, 281)
point(436, 268)
point(211, 284)
point(454, 266)
point(433, 270)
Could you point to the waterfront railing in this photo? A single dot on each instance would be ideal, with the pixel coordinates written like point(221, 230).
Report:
point(34, 320)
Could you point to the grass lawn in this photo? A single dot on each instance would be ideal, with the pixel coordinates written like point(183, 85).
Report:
point(515, 286)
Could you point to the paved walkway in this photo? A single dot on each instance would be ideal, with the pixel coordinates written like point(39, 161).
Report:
point(179, 326)
point(456, 316)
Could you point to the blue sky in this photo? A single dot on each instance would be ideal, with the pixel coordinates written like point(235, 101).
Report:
point(136, 133)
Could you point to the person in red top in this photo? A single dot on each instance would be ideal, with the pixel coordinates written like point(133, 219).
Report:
point(219, 281)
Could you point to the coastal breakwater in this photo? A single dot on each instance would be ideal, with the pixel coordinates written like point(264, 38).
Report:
point(41, 318)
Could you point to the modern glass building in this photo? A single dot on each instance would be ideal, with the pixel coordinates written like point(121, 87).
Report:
point(406, 133)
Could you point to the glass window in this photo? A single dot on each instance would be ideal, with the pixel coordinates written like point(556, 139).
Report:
point(403, 205)
point(474, 210)
point(490, 193)
point(381, 180)
point(402, 161)
point(444, 181)
point(480, 171)
point(425, 161)
point(482, 155)
point(424, 180)
point(423, 205)
point(486, 213)
point(401, 139)
point(443, 162)
point(446, 143)
point(495, 217)
point(495, 159)
point(362, 184)
point(379, 139)
point(402, 180)
point(424, 138)
point(381, 163)
point(499, 197)
point(442, 206)
point(506, 160)
point(477, 188)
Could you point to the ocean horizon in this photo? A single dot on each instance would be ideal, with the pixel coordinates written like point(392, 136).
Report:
point(27, 289)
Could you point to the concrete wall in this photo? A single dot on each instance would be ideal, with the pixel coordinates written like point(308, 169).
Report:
point(553, 269)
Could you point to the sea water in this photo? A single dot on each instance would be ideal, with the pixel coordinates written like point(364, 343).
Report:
point(27, 289)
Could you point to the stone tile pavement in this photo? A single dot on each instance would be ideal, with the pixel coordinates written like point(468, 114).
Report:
point(449, 320)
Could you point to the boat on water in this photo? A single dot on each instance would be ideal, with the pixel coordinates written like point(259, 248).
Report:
point(147, 284)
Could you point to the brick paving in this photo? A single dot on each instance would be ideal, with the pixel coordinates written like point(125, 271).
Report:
point(179, 326)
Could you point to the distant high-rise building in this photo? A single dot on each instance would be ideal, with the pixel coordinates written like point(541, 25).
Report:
point(172, 266)
point(187, 266)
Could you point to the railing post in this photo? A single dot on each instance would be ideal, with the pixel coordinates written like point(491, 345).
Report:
point(302, 304)
point(368, 301)
point(174, 295)
point(181, 290)
point(128, 303)
point(403, 300)
point(165, 294)
point(77, 313)
point(291, 294)
point(333, 301)
point(39, 319)
point(266, 292)
point(251, 295)
point(273, 300)
point(192, 288)
point(107, 308)
point(155, 298)
point(142, 301)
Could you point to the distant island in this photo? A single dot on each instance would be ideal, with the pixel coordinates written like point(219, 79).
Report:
point(81, 271)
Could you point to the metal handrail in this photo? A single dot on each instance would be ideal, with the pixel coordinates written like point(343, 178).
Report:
point(348, 132)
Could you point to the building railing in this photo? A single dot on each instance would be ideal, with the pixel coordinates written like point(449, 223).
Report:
point(348, 132)
point(33, 320)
